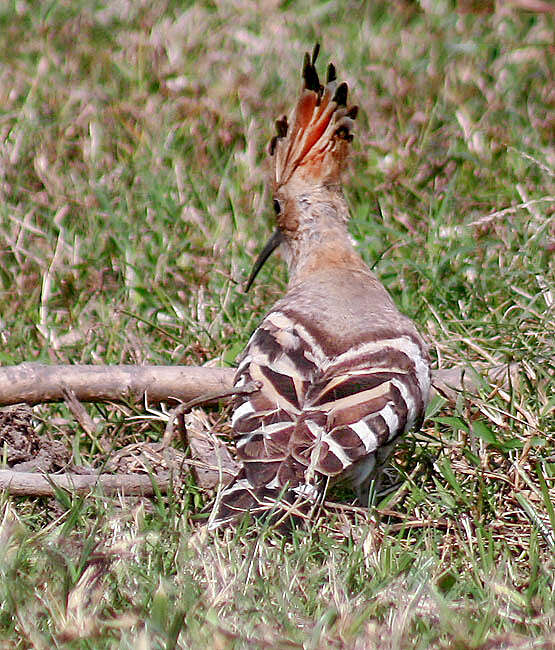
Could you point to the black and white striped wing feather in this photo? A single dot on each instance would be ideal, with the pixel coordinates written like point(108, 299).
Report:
point(318, 417)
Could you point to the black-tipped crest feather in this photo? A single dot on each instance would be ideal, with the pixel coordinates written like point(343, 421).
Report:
point(310, 76)
point(282, 126)
point(340, 96)
point(344, 133)
point(315, 52)
point(321, 117)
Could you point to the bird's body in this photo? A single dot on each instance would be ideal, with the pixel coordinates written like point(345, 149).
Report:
point(341, 372)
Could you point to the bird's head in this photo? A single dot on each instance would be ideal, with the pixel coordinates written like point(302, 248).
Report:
point(309, 154)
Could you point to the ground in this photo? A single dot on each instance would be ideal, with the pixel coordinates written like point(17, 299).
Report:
point(134, 196)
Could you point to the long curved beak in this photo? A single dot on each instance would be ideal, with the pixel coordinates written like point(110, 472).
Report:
point(274, 241)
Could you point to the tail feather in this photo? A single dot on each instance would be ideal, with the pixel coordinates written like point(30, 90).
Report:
point(277, 506)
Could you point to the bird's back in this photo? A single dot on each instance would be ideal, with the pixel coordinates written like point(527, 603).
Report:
point(342, 374)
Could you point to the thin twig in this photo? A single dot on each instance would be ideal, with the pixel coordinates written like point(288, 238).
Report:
point(206, 398)
point(513, 208)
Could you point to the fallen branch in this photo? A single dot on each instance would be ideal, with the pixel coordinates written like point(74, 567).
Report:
point(30, 483)
point(212, 464)
point(35, 383)
point(450, 382)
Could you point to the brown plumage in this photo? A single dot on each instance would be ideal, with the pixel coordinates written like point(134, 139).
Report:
point(342, 372)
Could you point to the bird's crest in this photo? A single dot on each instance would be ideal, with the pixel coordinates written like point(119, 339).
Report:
point(312, 148)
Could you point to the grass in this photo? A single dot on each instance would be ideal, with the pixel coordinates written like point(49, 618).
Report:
point(133, 197)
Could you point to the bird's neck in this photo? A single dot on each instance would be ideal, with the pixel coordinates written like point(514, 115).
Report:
point(321, 243)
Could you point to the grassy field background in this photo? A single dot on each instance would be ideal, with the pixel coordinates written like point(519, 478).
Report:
point(133, 198)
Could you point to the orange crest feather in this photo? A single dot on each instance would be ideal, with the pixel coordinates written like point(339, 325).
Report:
point(313, 149)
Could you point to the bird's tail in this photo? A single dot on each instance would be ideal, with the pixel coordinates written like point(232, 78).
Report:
point(278, 507)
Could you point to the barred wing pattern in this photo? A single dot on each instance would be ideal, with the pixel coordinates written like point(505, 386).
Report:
point(319, 416)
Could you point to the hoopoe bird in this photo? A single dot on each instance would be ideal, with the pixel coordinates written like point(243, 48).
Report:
point(340, 372)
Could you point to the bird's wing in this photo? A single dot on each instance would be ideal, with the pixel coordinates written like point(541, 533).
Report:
point(364, 400)
point(316, 415)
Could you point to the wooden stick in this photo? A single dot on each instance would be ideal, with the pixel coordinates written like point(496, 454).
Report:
point(450, 382)
point(30, 483)
point(35, 383)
